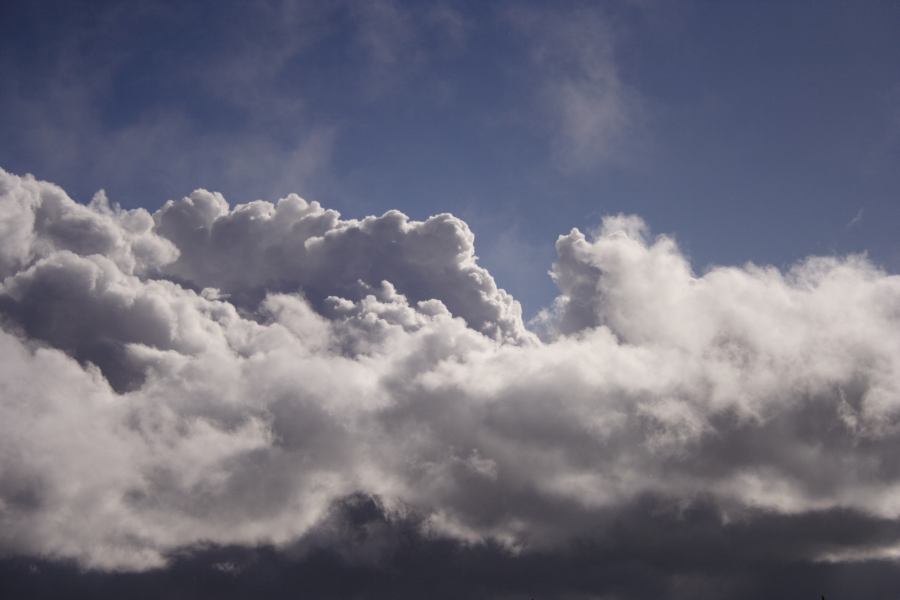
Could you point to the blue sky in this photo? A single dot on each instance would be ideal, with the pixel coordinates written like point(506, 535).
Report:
point(763, 131)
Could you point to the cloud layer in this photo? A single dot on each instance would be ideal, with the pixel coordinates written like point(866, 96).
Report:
point(222, 375)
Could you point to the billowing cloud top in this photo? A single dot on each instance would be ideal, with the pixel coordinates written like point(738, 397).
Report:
point(209, 374)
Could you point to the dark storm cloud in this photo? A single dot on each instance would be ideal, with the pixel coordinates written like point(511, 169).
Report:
point(361, 551)
point(257, 393)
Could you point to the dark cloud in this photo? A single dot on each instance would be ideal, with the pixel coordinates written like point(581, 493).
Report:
point(652, 550)
point(252, 399)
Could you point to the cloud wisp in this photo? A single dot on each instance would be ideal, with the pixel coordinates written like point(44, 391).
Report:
point(210, 374)
point(592, 116)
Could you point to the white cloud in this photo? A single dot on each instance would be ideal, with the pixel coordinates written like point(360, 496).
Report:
point(294, 244)
point(284, 358)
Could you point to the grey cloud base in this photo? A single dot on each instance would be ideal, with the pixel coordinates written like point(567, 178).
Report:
point(209, 375)
point(699, 557)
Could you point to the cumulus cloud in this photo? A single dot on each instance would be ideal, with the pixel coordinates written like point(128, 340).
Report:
point(228, 375)
point(296, 245)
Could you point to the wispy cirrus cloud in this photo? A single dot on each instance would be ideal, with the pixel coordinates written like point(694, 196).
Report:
point(590, 114)
point(245, 109)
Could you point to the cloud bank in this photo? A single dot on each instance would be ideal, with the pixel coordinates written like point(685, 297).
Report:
point(228, 376)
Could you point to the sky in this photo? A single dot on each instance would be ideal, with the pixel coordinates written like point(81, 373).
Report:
point(751, 131)
point(388, 299)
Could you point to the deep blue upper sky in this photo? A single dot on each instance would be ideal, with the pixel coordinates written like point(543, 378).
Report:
point(763, 131)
